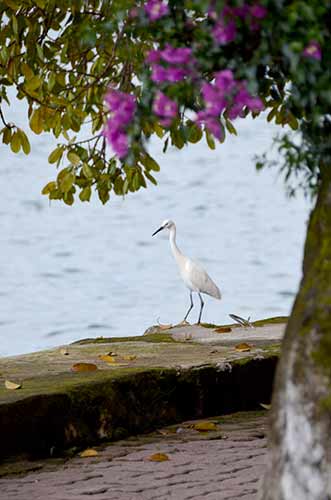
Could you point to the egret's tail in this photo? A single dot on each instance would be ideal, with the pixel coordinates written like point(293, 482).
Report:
point(215, 292)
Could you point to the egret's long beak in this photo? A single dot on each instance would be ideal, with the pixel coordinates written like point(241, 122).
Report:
point(158, 230)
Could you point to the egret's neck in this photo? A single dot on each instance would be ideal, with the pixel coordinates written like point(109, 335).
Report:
point(174, 248)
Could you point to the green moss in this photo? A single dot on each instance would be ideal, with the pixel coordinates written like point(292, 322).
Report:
point(151, 337)
point(271, 321)
point(261, 322)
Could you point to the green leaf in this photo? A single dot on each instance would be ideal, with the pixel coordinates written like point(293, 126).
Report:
point(15, 25)
point(85, 194)
point(103, 195)
point(36, 122)
point(56, 154)
point(51, 186)
point(33, 84)
point(158, 130)
point(24, 141)
point(230, 127)
point(15, 143)
point(210, 140)
point(150, 163)
point(195, 133)
point(68, 198)
point(67, 182)
point(7, 134)
point(73, 158)
point(272, 114)
point(87, 171)
point(150, 178)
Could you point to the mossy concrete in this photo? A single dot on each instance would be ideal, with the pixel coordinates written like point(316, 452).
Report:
point(165, 382)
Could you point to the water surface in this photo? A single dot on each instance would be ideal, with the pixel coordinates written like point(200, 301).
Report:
point(92, 270)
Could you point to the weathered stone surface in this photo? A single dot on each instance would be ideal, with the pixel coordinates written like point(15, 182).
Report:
point(220, 465)
point(165, 382)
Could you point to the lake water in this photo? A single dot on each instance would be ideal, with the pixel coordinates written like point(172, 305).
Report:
point(92, 270)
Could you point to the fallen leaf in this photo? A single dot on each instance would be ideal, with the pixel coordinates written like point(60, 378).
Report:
point(64, 351)
point(205, 426)
point(158, 457)
point(89, 452)
point(223, 329)
point(129, 357)
point(265, 406)
point(84, 367)
point(12, 385)
point(243, 347)
point(107, 357)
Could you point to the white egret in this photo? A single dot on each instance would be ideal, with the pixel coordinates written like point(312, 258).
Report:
point(194, 276)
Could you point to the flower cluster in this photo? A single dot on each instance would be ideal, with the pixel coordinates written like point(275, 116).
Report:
point(313, 50)
point(170, 64)
point(224, 30)
point(165, 108)
point(155, 9)
point(225, 94)
point(122, 107)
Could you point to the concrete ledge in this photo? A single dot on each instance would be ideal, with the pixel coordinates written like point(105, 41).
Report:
point(168, 382)
point(114, 407)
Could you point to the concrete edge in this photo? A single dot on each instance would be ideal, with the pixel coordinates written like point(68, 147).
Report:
point(116, 407)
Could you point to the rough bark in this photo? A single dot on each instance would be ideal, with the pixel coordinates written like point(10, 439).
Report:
point(299, 465)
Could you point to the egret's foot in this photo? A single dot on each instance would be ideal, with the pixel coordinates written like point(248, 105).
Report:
point(184, 323)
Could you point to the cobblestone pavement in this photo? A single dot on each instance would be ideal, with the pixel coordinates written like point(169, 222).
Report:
point(223, 464)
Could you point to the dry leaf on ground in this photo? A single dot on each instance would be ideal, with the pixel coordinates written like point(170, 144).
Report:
point(129, 357)
point(205, 426)
point(243, 347)
point(107, 357)
point(223, 329)
point(12, 385)
point(158, 457)
point(89, 452)
point(84, 367)
point(265, 406)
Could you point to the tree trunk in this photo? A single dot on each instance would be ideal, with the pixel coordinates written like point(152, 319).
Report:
point(299, 463)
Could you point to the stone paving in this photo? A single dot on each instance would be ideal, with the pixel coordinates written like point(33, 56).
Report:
point(224, 464)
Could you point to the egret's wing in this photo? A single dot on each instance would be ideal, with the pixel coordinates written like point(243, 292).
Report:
point(201, 279)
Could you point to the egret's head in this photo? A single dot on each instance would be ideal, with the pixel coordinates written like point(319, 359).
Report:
point(166, 224)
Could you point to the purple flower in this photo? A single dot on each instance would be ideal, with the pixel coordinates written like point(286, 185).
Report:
point(214, 100)
point(211, 123)
point(117, 139)
point(165, 108)
point(176, 74)
point(241, 99)
point(224, 80)
point(255, 104)
point(122, 107)
point(161, 74)
point(240, 12)
point(224, 32)
point(313, 50)
point(153, 56)
point(155, 9)
point(258, 11)
point(173, 55)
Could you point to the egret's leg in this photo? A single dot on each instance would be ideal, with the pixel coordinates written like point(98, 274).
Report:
point(190, 308)
point(202, 304)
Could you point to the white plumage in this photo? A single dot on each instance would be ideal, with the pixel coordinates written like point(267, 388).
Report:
point(194, 276)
